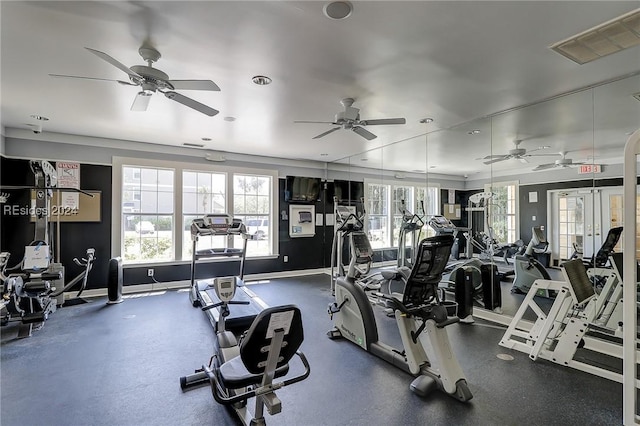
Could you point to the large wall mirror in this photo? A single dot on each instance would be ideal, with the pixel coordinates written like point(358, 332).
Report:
point(554, 168)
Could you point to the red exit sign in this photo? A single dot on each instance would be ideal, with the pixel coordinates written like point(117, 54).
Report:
point(590, 168)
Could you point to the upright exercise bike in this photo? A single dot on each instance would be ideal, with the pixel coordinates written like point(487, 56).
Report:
point(421, 319)
point(245, 368)
point(527, 268)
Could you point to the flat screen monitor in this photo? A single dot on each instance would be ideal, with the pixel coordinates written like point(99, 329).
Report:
point(302, 189)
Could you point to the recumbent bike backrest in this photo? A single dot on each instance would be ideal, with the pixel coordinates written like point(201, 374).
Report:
point(613, 236)
point(431, 260)
point(258, 338)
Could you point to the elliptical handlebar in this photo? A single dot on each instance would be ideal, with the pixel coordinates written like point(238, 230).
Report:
point(343, 220)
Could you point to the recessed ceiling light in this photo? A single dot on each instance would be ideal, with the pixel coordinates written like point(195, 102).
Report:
point(473, 132)
point(194, 145)
point(338, 9)
point(39, 117)
point(432, 167)
point(364, 159)
point(427, 120)
point(324, 154)
point(206, 139)
point(261, 80)
point(229, 119)
point(418, 171)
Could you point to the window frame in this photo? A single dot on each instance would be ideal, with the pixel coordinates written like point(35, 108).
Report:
point(391, 185)
point(117, 230)
point(516, 184)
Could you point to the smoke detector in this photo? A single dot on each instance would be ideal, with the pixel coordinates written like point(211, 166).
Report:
point(338, 10)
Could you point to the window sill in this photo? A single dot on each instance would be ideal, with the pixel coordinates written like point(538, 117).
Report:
point(188, 262)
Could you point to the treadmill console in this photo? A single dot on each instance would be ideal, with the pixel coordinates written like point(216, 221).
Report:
point(225, 288)
point(442, 225)
point(217, 224)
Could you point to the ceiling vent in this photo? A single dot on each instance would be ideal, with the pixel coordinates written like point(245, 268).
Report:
point(215, 156)
point(613, 36)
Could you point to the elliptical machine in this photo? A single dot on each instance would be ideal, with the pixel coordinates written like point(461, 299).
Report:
point(244, 368)
point(349, 227)
point(411, 226)
point(421, 318)
point(527, 268)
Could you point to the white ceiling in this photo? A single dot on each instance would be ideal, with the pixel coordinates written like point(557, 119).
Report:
point(456, 62)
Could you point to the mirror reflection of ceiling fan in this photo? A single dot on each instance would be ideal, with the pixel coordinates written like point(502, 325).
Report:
point(563, 162)
point(152, 80)
point(349, 119)
point(516, 153)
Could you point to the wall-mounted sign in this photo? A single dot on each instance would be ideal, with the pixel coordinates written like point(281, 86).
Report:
point(69, 177)
point(589, 168)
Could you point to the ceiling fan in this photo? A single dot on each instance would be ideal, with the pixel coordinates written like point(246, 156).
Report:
point(349, 119)
point(516, 153)
point(563, 162)
point(152, 80)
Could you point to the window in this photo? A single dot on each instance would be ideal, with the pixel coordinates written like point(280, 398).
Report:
point(147, 213)
point(252, 204)
point(202, 193)
point(502, 211)
point(383, 204)
point(156, 201)
point(377, 200)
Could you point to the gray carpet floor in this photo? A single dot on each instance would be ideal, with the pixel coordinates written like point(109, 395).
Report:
point(95, 364)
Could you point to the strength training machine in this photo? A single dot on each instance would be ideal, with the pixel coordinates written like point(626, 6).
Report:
point(244, 368)
point(32, 289)
point(580, 321)
point(421, 319)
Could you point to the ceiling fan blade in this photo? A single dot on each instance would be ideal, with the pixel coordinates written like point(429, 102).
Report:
point(319, 122)
point(544, 167)
point(364, 133)
point(383, 121)
point(191, 103)
point(92, 78)
point(321, 135)
point(489, 157)
point(113, 62)
point(539, 149)
point(522, 160)
point(141, 102)
point(194, 85)
point(495, 160)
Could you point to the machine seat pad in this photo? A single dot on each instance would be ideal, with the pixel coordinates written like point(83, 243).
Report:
point(235, 375)
point(395, 274)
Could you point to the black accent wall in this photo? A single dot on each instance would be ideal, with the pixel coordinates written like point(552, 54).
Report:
point(303, 253)
point(17, 232)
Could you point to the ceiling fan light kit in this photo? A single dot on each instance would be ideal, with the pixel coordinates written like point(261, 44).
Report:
point(349, 119)
point(152, 80)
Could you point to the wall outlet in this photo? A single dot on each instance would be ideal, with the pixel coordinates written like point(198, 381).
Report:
point(149, 272)
point(285, 259)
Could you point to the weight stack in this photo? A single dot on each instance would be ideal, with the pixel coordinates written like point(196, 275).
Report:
point(114, 281)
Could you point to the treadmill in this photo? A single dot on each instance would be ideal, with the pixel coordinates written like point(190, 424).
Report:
point(202, 293)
